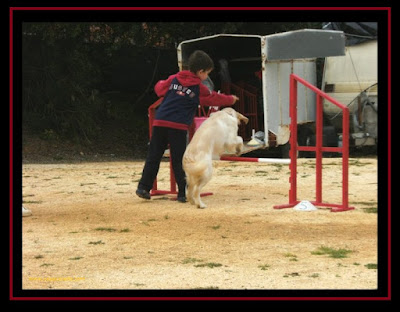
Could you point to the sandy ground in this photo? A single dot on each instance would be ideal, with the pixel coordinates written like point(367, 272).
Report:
point(90, 231)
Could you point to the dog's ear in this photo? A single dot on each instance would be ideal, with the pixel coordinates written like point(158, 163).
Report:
point(241, 118)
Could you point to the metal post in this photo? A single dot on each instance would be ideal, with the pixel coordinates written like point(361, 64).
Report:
point(318, 152)
point(345, 158)
point(293, 140)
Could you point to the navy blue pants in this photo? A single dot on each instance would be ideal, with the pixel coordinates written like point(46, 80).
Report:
point(160, 138)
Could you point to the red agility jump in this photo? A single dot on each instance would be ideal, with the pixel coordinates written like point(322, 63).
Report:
point(318, 148)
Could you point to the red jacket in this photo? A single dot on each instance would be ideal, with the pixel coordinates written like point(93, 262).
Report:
point(187, 78)
point(182, 93)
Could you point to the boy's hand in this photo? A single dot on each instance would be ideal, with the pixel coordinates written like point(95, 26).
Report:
point(235, 98)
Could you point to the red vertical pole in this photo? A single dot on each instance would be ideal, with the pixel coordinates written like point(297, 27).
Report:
point(293, 140)
point(151, 111)
point(345, 158)
point(318, 152)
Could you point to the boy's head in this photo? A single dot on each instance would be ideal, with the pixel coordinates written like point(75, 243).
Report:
point(201, 64)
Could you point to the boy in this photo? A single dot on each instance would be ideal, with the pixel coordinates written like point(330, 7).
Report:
point(182, 93)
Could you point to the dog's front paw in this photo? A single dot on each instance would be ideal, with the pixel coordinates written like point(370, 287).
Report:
point(239, 149)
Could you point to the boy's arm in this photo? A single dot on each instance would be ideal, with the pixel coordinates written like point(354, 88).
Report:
point(213, 98)
point(161, 87)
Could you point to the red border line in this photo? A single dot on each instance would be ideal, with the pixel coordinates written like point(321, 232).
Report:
point(202, 8)
point(11, 152)
point(389, 153)
point(203, 298)
point(12, 9)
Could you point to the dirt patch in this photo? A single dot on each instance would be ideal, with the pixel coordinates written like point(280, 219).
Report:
point(90, 231)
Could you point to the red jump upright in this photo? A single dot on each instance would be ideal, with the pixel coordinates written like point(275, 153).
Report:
point(318, 148)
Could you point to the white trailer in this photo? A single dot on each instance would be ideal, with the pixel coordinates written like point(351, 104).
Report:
point(257, 68)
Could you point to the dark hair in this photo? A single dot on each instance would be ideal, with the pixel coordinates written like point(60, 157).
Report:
point(200, 60)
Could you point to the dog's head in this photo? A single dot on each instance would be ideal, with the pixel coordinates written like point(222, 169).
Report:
point(240, 118)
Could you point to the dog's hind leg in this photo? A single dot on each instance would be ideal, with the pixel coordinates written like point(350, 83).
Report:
point(189, 189)
point(200, 203)
point(196, 196)
point(199, 186)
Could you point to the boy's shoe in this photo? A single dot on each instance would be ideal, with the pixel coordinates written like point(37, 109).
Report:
point(181, 199)
point(142, 193)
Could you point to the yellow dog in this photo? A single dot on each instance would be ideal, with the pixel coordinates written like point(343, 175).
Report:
point(216, 136)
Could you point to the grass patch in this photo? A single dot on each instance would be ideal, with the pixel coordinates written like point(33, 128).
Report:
point(264, 267)
point(97, 243)
point(200, 263)
point(191, 260)
point(292, 257)
point(371, 266)
point(294, 274)
point(32, 201)
point(75, 258)
point(147, 222)
point(371, 207)
point(105, 229)
point(358, 163)
point(215, 227)
point(370, 210)
point(210, 265)
point(332, 252)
